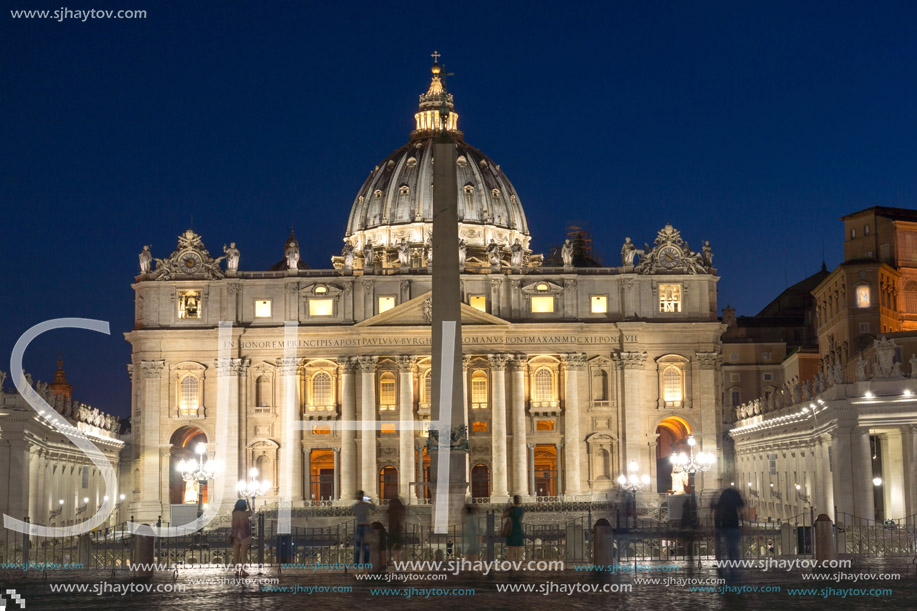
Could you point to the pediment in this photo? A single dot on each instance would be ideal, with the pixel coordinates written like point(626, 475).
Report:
point(418, 312)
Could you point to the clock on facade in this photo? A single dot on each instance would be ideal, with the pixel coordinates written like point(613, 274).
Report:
point(669, 257)
point(191, 262)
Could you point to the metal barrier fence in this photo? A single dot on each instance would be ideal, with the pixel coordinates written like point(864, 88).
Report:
point(861, 537)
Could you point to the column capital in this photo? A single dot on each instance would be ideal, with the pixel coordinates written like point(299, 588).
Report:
point(629, 360)
point(405, 363)
point(707, 360)
point(152, 369)
point(498, 361)
point(466, 362)
point(573, 360)
point(518, 361)
point(234, 288)
point(239, 367)
point(336, 450)
point(530, 446)
point(347, 364)
point(367, 364)
point(130, 373)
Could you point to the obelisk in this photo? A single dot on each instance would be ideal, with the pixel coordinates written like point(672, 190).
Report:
point(450, 445)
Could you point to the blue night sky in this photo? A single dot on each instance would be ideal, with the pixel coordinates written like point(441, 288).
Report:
point(752, 124)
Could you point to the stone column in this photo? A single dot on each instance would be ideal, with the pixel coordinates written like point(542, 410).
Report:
point(228, 382)
point(558, 473)
point(291, 449)
point(863, 501)
point(368, 475)
point(909, 435)
point(347, 451)
point(573, 366)
point(150, 414)
point(520, 479)
point(893, 475)
point(31, 489)
point(307, 476)
point(707, 399)
point(842, 473)
point(405, 434)
point(336, 482)
point(531, 465)
point(500, 492)
point(631, 411)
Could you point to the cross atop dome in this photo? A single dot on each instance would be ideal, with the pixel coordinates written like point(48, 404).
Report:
point(435, 55)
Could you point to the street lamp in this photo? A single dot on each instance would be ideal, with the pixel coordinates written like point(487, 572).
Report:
point(200, 472)
point(82, 508)
point(252, 488)
point(56, 512)
point(692, 463)
point(633, 482)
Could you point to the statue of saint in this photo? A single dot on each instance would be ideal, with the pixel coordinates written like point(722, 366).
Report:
point(913, 362)
point(404, 254)
point(462, 254)
point(368, 254)
point(629, 251)
point(516, 254)
point(292, 255)
point(707, 253)
point(232, 256)
point(493, 253)
point(190, 496)
point(348, 253)
point(838, 373)
point(566, 253)
point(146, 259)
point(428, 250)
point(861, 369)
point(680, 481)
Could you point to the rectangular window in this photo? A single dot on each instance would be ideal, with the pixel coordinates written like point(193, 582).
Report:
point(321, 307)
point(862, 296)
point(263, 308)
point(735, 377)
point(388, 429)
point(387, 396)
point(478, 302)
point(733, 356)
point(544, 425)
point(670, 298)
point(189, 304)
point(598, 304)
point(736, 398)
point(321, 429)
point(864, 327)
point(478, 427)
point(768, 377)
point(386, 304)
point(766, 356)
point(542, 304)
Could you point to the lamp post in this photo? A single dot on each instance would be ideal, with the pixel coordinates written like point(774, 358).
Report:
point(692, 463)
point(633, 482)
point(56, 512)
point(200, 472)
point(253, 488)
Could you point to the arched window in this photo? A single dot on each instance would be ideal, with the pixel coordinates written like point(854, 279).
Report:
point(672, 386)
point(321, 389)
point(427, 387)
point(388, 483)
point(387, 398)
point(190, 395)
point(543, 390)
point(263, 391)
point(479, 389)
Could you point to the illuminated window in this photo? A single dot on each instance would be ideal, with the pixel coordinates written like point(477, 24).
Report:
point(263, 308)
point(478, 389)
point(386, 304)
point(672, 387)
point(478, 302)
point(862, 296)
point(321, 389)
point(544, 425)
point(321, 429)
point(428, 387)
point(478, 427)
point(866, 230)
point(853, 233)
point(542, 304)
point(190, 395)
point(387, 391)
point(542, 287)
point(599, 304)
point(670, 298)
point(543, 391)
point(189, 304)
point(321, 307)
point(388, 428)
point(321, 289)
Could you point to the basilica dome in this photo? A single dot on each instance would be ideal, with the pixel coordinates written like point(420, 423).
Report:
point(396, 200)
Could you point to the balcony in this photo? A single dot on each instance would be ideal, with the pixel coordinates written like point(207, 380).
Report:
point(320, 412)
point(544, 408)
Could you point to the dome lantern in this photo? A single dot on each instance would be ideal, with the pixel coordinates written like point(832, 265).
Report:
point(436, 103)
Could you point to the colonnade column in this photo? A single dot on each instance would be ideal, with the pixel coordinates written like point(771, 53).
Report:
point(405, 433)
point(531, 465)
point(631, 363)
point(291, 449)
point(520, 484)
point(841, 474)
point(573, 365)
point(336, 493)
point(864, 505)
point(909, 434)
point(348, 449)
point(893, 475)
point(500, 492)
point(368, 477)
point(150, 414)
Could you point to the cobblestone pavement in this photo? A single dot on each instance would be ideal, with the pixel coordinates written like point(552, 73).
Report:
point(679, 587)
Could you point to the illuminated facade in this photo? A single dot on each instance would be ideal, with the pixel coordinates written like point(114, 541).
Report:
point(569, 372)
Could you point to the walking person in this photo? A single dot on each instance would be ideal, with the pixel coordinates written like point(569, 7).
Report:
point(471, 535)
point(512, 528)
point(361, 512)
point(241, 535)
point(727, 520)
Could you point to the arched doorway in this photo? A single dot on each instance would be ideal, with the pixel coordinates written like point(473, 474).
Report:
point(425, 473)
point(545, 470)
point(388, 483)
point(183, 442)
point(480, 482)
point(321, 475)
point(671, 437)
